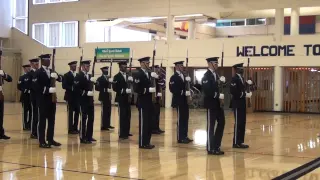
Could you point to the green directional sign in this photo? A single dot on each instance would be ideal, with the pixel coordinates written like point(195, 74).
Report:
point(116, 54)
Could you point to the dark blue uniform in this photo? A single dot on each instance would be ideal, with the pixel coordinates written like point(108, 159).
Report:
point(72, 100)
point(83, 85)
point(23, 86)
point(8, 78)
point(102, 86)
point(34, 107)
point(47, 108)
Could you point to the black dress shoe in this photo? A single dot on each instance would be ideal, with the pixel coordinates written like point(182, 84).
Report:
point(44, 145)
point(240, 146)
point(32, 136)
point(156, 132)
point(130, 135)
point(84, 141)
point(92, 139)
point(184, 141)
point(54, 143)
point(104, 129)
point(111, 127)
point(188, 139)
point(216, 152)
point(72, 132)
point(147, 146)
point(161, 131)
point(4, 137)
point(123, 137)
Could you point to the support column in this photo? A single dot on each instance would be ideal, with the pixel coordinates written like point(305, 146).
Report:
point(191, 29)
point(294, 23)
point(82, 33)
point(170, 28)
point(279, 23)
point(278, 89)
point(169, 73)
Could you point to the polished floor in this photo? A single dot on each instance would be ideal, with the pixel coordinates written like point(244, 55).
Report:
point(278, 143)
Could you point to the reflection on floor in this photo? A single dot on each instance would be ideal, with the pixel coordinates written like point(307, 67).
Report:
point(278, 143)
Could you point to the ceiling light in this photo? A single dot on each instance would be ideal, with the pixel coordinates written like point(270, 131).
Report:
point(189, 15)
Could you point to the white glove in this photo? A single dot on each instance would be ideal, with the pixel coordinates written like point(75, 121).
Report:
point(152, 89)
point(93, 79)
point(159, 94)
point(1, 73)
point(249, 82)
point(130, 78)
point(54, 75)
point(223, 79)
point(188, 78)
point(221, 96)
point(248, 95)
point(29, 91)
point(110, 79)
point(52, 90)
point(90, 93)
point(188, 93)
point(128, 91)
point(0, 88)
point(109, 90)
point(154, 75)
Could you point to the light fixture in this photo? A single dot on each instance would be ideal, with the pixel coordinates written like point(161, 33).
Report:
point(189, 15)
point(211, 24)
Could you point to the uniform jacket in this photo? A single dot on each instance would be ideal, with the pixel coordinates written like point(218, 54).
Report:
point(178, 89)
point(23, 86)
point(237, 90)
point(68, 85)
point(142, 83)
point(210, 88)
point(119, 86)
point(82, 85)
point(42, 83)
point(102, 86)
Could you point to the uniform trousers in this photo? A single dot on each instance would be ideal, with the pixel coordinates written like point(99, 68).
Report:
point(105, 114)
point(124, 112)
point(239, 125)
point(183, 121)
point(73, 109)
point(1, 118)
point(156, 117)
point(27, 112)
point(214, 135)
point(146, 114)
point(47, 112)
point(35, 116)
point(87, 120)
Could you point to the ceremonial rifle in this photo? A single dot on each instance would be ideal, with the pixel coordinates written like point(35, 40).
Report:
point(222, 84)
point(81, 58)
point(92, 71)
point(153, 83)
point(53, 80)
point(1, 78)
point(160, 76)
point(129, 84)
point(110, 75)
point(248, 78)
point(187, 83)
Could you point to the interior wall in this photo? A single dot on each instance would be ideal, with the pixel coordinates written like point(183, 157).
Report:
point(5, 18)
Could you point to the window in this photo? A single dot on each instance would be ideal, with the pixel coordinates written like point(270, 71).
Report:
point(51, 1)
point(241, 22)
point(98, 31)
point(56, 34)
point(20, 15)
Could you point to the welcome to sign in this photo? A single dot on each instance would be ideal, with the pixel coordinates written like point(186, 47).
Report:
point(276, 50)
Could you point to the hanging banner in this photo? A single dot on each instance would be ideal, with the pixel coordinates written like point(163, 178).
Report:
point(116, 54)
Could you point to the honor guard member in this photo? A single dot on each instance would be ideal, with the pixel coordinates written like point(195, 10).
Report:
point(23, 86)
point(5, 77)
point(239, 95)
point(47, 108)
point(83, 84)
point(120, 86)
point(156, 122)
point(34, 63)
point(103, 84)
point(144, 89)
point(73, 107)
point(215, 113)
point(177, 87)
